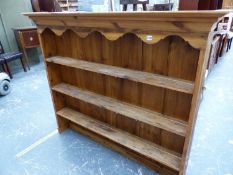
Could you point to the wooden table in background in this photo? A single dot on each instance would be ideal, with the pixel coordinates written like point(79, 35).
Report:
point(27, 38)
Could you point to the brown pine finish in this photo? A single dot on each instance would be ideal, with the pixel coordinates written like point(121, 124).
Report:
point(128, 110)
point(137, 76)
point(147, 149)
point(131, 81)
point(227, 4)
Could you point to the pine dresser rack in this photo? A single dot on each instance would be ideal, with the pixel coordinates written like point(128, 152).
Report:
point(130, 80)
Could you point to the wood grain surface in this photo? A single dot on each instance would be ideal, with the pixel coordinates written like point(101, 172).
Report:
point(131, 81)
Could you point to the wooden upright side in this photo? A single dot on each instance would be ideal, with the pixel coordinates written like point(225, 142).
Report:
point(54, 75)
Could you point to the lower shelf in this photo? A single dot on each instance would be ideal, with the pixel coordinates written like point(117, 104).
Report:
point(142, 147)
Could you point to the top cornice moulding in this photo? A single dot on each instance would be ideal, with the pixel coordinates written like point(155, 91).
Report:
point(163, 14)
point(193, 26)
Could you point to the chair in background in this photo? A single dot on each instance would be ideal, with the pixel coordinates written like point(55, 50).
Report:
point(5, 58)
point(230, 33)
point(229, 40)
point(35, 5)
point(45, 6)
point(163, 7)
point(125, 4)
point(226, 26)
point(214, 52)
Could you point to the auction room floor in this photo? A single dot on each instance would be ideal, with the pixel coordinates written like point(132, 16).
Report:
point(31, 145)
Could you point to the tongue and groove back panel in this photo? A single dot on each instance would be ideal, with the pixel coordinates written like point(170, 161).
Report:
point(136, 90)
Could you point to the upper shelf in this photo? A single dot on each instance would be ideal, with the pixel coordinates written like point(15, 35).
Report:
point(137, 76)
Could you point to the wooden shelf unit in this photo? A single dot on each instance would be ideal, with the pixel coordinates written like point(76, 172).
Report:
point(131, 81)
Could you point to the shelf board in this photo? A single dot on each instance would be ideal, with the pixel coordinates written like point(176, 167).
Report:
point(139, 145)
point(137, 76)
point(131, 111)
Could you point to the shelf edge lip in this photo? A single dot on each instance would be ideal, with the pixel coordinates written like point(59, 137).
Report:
point(183, 14)
point(179, 88)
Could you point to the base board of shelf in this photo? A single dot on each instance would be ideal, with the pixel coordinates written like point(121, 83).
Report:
point(124, 151)
point(119, 147)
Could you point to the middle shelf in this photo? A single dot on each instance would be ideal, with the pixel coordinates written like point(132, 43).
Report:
point(171, 83)
point(131, 111)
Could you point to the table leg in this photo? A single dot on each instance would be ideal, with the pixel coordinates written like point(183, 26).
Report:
point(7, 69)
point(4, 68)
point(223, 45)
point(135, 7)
point(22, 62)
point(25, 60)
point(125, 7)
point(230, 43)
point(144, 7)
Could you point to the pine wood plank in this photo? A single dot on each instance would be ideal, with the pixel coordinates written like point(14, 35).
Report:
point(128, 110)
point(134, 143)
point(138, 76)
